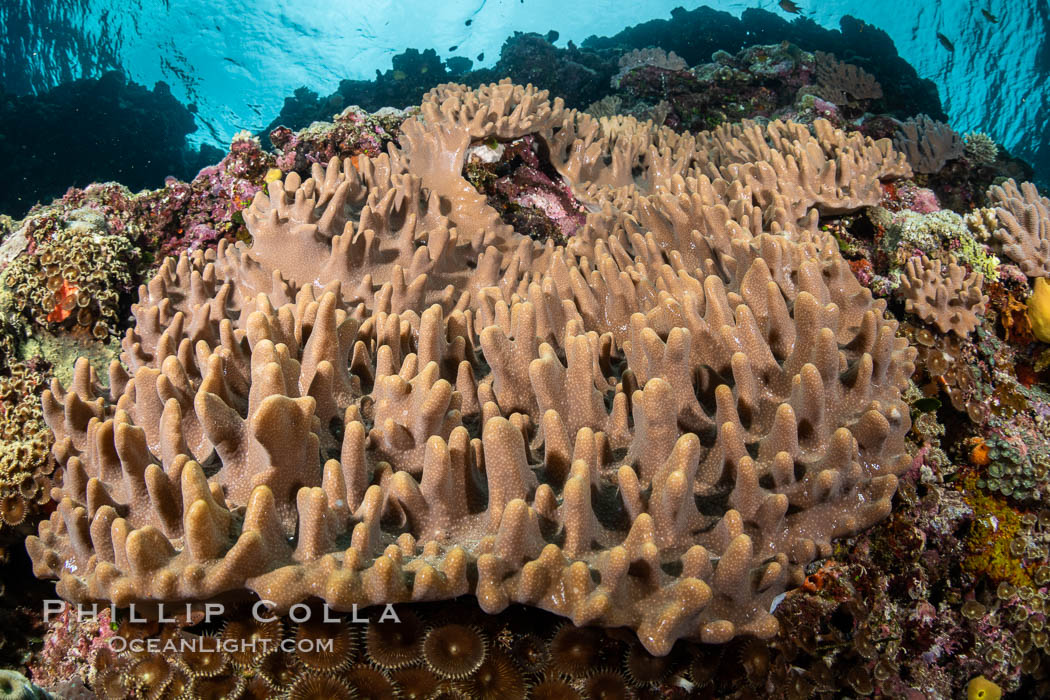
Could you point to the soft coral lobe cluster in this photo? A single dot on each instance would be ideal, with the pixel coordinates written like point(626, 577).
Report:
point(392, 387)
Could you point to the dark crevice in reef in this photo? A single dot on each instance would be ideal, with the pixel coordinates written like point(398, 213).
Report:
point(21, 598)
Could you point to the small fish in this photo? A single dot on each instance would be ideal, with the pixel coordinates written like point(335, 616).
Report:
point(788, 6)
point(400, 75)
point(453, 47)
point(481, 56)
point(945, 42)
point(469, 22)
point(990, 17)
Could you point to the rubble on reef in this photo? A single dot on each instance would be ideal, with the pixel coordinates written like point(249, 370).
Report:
point(724, 387)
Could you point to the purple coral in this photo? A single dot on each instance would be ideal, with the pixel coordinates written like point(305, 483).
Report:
point(186, 216)
point(352, 132)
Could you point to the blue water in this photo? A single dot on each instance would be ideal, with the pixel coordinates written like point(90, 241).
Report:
point(236, 60)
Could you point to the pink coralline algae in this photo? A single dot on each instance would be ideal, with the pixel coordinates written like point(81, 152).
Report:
point(825, 109)
point(191, 215)
point(352, 132)
point(72, 646)
point(911, 197)
point(527, 188)
point(185, 216)
point(177, 217)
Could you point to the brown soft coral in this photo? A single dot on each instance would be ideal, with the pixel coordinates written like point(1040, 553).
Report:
point(952, 302)
point(839, 82)
point(1024, 233)
point(385, 400)
point(785, 169)
point(928, 143)
point(789, 167)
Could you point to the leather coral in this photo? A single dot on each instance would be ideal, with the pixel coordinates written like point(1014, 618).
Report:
point(393, 396)
point(1024, 226)
point(952, 301)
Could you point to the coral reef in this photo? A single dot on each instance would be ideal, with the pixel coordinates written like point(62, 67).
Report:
point(583, 74)
point(351, 132)
point(478, 656)
point(894, 615)
point(858, 625)
point(198, 214)
point(697, 34)
point(652, 56)
point(936, 595)
point(579, 76)
point(529, 194)
point(922, 229)
point(757, 81)
point(77, 647)
point(637, 367)
point(72, 274)
point(67, 269)
point(980, 148)
point(373, 398)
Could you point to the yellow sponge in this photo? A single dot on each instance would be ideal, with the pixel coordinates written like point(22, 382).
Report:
point(1039, 310)
point(980, 688)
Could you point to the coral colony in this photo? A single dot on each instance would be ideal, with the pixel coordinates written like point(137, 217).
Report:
point(705, 437)
point(721, 387)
